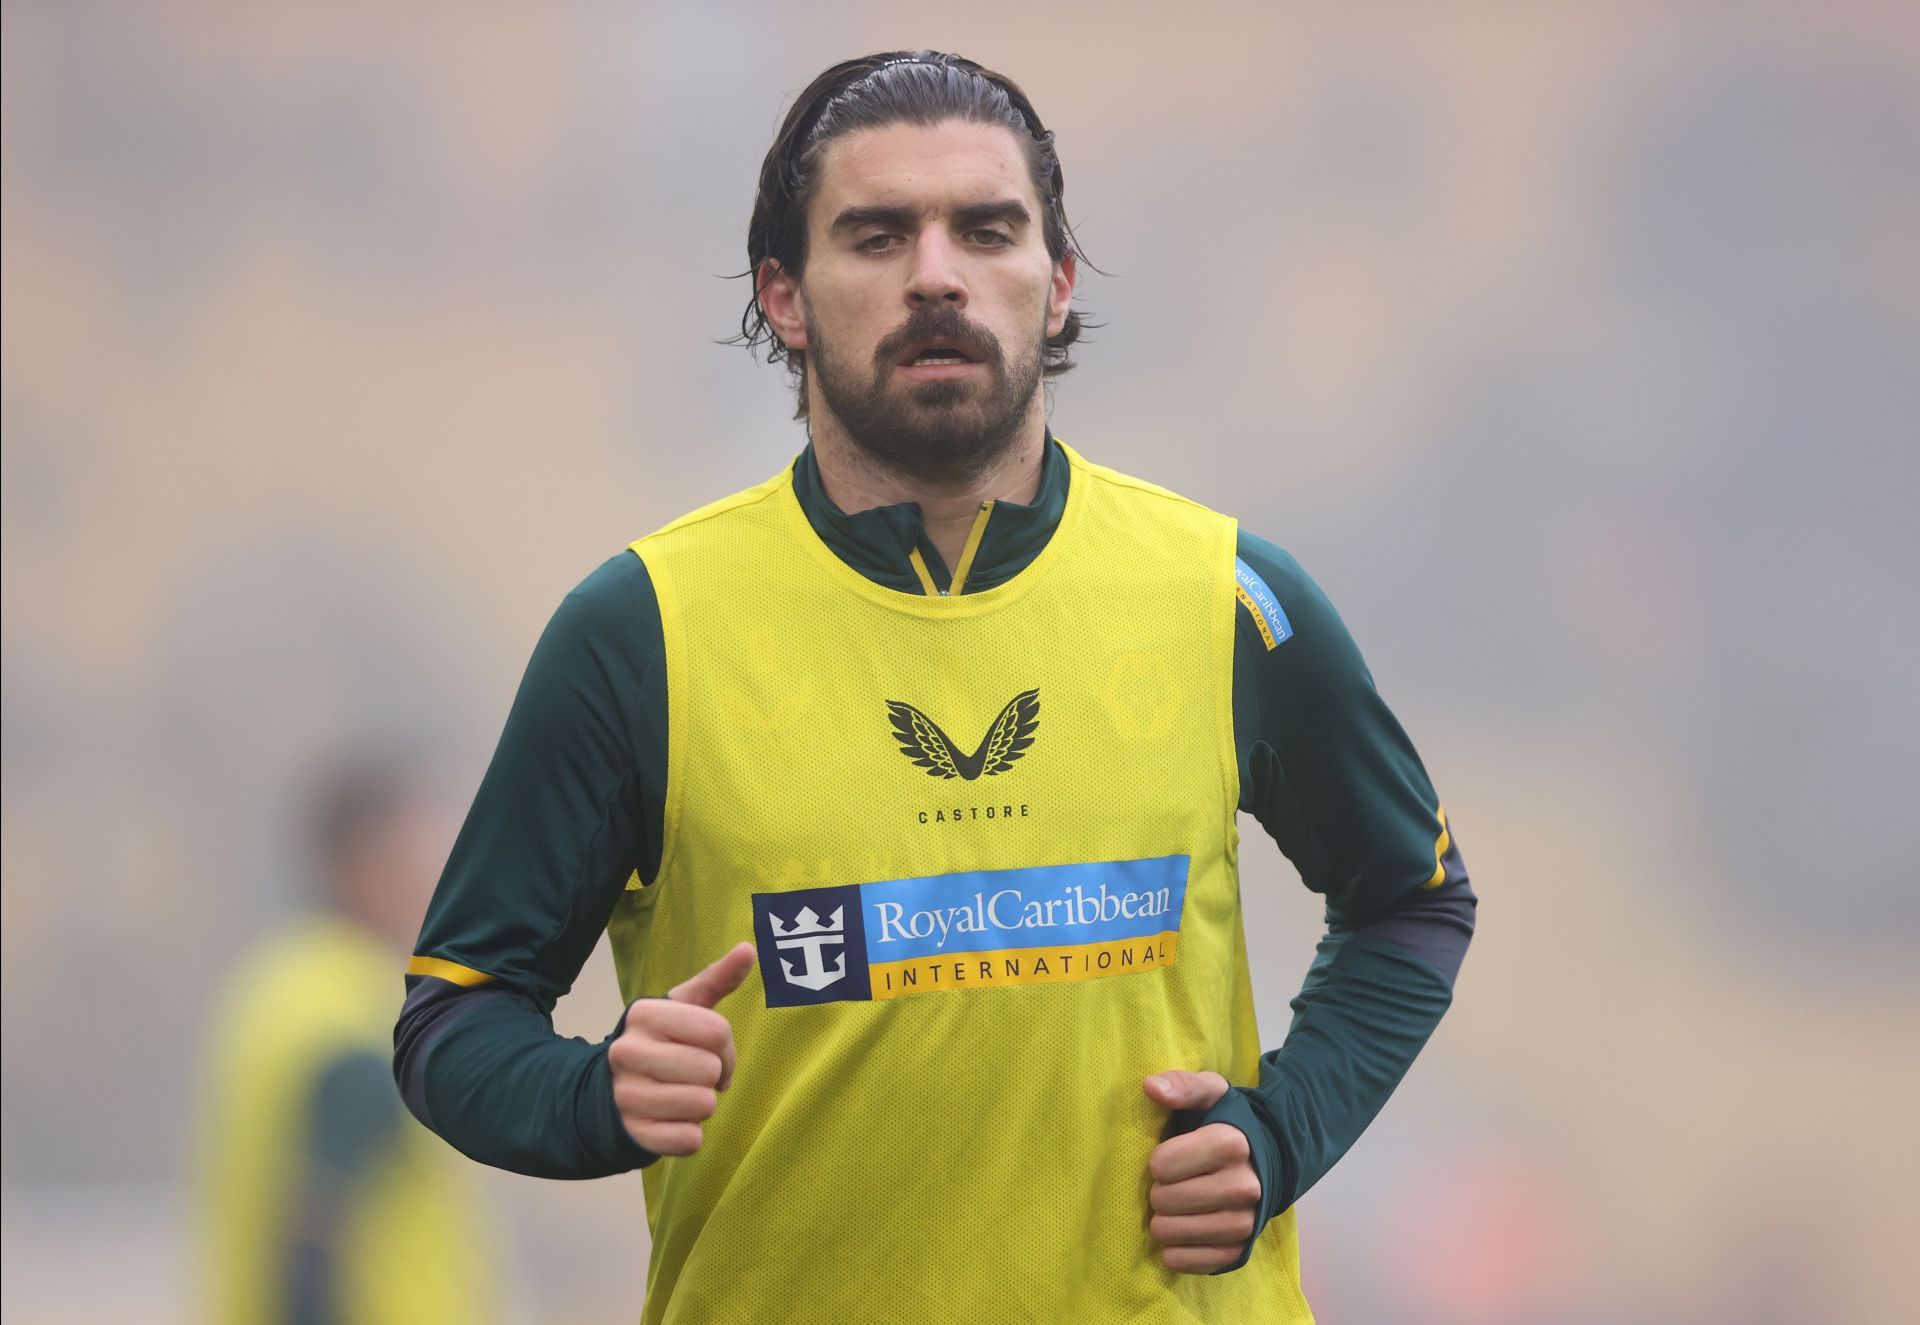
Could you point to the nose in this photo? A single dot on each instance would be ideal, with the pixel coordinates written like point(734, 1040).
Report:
point(935, 278)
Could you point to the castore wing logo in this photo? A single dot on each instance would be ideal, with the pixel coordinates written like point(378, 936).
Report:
point(922, 741)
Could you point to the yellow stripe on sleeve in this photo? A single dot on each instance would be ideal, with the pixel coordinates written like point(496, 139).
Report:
point(452, 972)
point(1441, 845)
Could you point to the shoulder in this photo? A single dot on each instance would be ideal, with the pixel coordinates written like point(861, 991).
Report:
point(1260, 567)
point(1156, 534)
point(614, 606)
point(1284, 610)
point(694, 522)
point(615, 588)
point(604, 635)
point(1277, 569)
point(1127, 485)
point(723, 542)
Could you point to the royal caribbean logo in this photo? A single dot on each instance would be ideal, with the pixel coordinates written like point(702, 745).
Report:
point(1053, 924)
point(922, 741)
point(812, 943)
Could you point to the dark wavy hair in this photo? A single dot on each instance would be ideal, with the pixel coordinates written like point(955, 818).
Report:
point(912, 87)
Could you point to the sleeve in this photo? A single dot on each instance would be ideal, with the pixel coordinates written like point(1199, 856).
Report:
point(352, 1119)
point(1331, 775)
point(570, 808)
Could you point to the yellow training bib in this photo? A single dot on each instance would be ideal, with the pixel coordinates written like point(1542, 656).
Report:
point(986, 848)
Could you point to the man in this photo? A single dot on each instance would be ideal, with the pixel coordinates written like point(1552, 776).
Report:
point(324, 1202)
point(947, 728)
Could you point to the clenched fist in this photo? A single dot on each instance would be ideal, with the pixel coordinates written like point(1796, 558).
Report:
point(674, 1054)
point(1205, 1194)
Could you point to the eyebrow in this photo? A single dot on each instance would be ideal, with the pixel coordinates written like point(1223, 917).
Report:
point(975, 213)
point(1011, 209)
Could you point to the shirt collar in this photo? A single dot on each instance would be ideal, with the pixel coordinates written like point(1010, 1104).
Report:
point(878, 543)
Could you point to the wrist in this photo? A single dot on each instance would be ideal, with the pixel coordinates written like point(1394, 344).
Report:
point(608, 1128)
point(1243, 1110)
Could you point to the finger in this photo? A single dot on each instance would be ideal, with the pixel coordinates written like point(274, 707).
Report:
point(1185, 1090)
point(727, 1060)
point(1215, 1146)
point(1209, 1230)
point(665, 1138)
point(1200, 1260)
point(718, 980)
point(664, 1060)
point(664, 1101)
point(1227, 1189)
point(682, 1023)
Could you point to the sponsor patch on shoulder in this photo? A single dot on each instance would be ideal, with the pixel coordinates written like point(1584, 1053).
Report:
point(982, 929)
point(1253, 592)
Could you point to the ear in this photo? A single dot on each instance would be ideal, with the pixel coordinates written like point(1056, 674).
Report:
point(1060, 294)
point(782, 302)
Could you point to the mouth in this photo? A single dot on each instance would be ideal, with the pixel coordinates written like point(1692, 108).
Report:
point(936, 360)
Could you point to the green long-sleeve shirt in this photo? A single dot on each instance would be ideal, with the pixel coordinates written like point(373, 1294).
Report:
point(572, 807)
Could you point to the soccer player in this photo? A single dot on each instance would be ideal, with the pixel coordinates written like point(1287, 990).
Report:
point(906, 784)
point(323, 1201)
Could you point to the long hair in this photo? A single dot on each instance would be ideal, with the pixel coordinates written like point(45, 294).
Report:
point(911, 87)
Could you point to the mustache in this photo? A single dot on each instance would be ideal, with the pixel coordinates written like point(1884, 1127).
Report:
point(945, 324)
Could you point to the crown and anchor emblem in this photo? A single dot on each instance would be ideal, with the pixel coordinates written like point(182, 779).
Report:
point(810, 934)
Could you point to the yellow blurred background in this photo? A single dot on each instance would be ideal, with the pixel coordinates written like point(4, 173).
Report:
point(1574, 348)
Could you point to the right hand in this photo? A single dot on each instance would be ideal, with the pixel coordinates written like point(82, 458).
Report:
point(674, 1054)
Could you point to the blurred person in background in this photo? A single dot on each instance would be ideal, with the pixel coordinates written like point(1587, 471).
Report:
point(998, 1058)
point(324, 1201)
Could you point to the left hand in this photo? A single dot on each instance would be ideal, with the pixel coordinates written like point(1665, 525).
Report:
point(1205, 1194)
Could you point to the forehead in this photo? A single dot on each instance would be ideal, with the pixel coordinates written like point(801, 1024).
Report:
point(924, 166)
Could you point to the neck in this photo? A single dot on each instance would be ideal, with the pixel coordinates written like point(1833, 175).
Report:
point(857, 480)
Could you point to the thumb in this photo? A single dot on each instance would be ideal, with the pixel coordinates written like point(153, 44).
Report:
point(1178, 1090)
point(718, 980)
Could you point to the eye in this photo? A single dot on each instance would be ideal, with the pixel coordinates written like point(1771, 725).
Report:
point(990, 238)
point(879, 243)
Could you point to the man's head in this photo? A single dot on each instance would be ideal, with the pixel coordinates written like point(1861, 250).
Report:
point(912, 262)
point(378, 840)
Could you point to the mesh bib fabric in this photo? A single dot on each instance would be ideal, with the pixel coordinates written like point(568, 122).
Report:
point(986, 848)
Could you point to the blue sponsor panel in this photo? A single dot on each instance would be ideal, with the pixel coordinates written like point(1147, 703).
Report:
point(997, 910)
point(818, 945)
point(1262, 601)
point(813, 946)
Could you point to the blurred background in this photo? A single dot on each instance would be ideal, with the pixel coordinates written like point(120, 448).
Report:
point(1574, 349)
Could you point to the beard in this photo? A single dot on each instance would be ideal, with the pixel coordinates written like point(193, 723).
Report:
point(948, 432)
